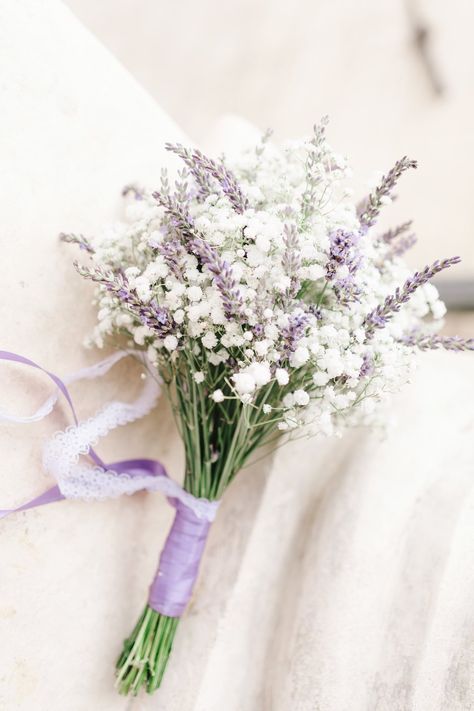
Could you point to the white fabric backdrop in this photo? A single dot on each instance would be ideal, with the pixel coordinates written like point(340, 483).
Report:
point(339, 577)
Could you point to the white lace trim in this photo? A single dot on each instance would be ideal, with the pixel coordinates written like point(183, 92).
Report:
point(78, 480)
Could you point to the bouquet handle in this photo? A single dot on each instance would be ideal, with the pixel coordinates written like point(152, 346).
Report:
point(179, 562)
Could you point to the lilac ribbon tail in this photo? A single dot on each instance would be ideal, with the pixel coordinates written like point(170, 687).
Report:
point(16, 358)
point(47, 497)
point(181, 556)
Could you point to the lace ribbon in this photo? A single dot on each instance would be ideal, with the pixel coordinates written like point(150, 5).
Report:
point(179, 561)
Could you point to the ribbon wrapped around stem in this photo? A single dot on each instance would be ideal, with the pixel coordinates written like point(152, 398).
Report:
point(179, 561)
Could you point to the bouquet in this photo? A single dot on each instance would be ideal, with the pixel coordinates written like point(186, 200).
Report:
point(270, 307)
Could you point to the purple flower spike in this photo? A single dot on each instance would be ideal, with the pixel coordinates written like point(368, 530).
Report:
point(401, 246)
point(80, 240)
point(138, 193)
point(291, 259)
point(371, 207)
point(222, 273)
point(367, 367)
point(173, 253)
point(200, 175)
point(151, 315)
point(177, 214)
point(389, 236)
point(343, 252)
point(380, 316)
point(432, 342)
point(202, 167)
point(294, 332)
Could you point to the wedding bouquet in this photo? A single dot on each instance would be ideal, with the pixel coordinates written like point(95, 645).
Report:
point(270, 307)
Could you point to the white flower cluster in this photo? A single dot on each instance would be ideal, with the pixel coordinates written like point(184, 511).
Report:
point(266, 300)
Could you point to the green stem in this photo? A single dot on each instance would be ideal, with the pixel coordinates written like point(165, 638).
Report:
point(146, 653)
point(227, 430)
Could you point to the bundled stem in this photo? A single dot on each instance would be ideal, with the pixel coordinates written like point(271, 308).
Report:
point(218, 439)
point(145, 654)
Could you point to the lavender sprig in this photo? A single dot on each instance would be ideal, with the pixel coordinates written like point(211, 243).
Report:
point(80, 240)
point(432, 342)
point(313, 168)
point(367, 368)
point(132, 189)
point(151, 315)
point(392, 234)
point(292, 333)
point(222, 273)
point(260, 147)
point(208, 255)
point(343, 252)
point(380, 316)
point(173, 254)
point(200, 165)
point(182, 194)
point(291, 261)
point(200, 175)
point(401, 246)
point(177, 214)
point(372, 206)
point(398, 243)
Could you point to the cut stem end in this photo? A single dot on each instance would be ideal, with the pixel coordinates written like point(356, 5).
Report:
point(146, 652)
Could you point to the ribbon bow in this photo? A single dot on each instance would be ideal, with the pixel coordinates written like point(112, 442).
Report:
point(179, 561)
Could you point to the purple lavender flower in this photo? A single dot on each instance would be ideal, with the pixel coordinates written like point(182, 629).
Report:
point(80, 240)
point(293, 333)
point(202, 167)
point(396, 239)
point(432, 342)
point(207, 255)
point(173, 253)
point(177, 214)
point(200, 175)
point(380, 316)
point(315, 311)
point(222, 273)
point(155, 317)
point(401, 246)
point(226, 180)
point(291, 261)
point(343, 252)
point(367, 367)
point(258, 330)
point(313, 168)
point(371, 207)
point(137, 192)
point(390, 235)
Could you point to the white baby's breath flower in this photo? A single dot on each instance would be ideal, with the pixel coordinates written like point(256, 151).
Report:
point(299, 357)
point(260, 373)
point(218, 396)
point(244, 383)
point(140, 333)
point(178, 316)
point(282, 376)
point(170, 343)
point(301, 397)
point(209, 340)
point(194, 293)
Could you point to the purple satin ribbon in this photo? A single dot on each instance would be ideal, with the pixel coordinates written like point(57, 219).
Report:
point(179, 561)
